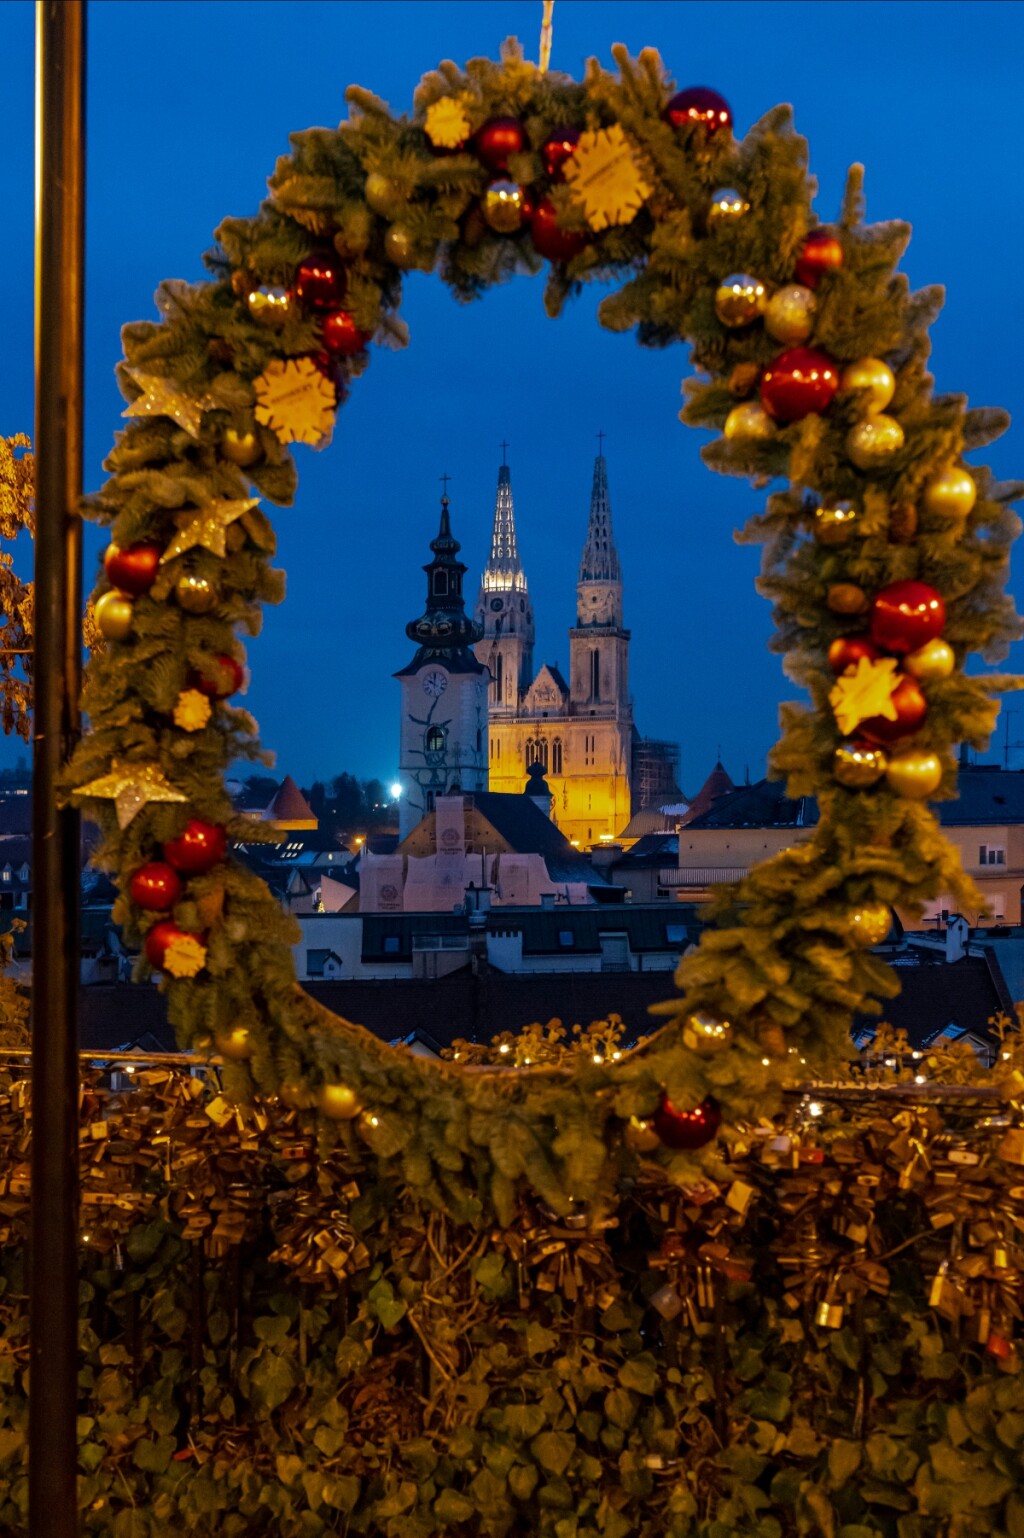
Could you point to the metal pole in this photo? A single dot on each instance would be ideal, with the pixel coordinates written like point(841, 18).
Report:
point(60, 262)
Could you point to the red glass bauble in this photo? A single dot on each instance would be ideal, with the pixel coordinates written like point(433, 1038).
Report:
point(223, 676)
point(549, 239)
point(162, 936)
point(699, 106)
point(905, 615)
point(687, 1129)
point(801, 380)
point(847, 650)
point(911, 709)
point(202, 846)
point(320, 281)
point(155, 887)
point(132, 570)
point(558, 147)
point(499, 138)
point(820, 253)
point(342, 337)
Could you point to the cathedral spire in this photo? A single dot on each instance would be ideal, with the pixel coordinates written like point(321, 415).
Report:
point(444, 626)
point(504, 570)
point(600, 561)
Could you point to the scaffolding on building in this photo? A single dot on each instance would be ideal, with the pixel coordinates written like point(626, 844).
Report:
point(655, 772)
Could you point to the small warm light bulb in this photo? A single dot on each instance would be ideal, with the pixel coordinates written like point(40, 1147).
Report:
point(598, 1058)
point(919, 1078)
point(504, 1047)
point(765, 1062)
point(1005, 1054)
point(814, 1108)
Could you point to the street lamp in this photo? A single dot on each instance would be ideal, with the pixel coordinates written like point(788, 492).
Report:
point(396, 791)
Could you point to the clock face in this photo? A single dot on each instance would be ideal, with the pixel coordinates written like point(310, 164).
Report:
point(496, 605)
point(435, 684)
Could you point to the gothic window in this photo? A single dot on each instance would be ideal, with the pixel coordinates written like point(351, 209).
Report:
point(556, 756)
point(529, 752)
point(540, 755)
point(434, 739)
point(595, 675)
point(499, 678)
point(440, 584)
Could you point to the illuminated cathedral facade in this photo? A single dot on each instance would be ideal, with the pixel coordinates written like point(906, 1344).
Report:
point(580, 729)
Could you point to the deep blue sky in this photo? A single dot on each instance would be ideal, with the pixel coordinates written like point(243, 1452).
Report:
point(189, 106)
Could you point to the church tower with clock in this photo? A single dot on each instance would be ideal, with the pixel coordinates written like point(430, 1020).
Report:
point(444, 741)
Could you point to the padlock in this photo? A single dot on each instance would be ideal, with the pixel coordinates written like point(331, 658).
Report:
point(1011, 1147)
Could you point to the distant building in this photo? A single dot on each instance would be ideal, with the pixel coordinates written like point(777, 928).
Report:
point(579, 730)
point(443, 740)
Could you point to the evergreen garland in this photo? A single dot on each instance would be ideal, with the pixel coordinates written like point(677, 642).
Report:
point(784, 971)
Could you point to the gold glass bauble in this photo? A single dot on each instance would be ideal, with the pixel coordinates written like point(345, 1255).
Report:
point(934, 660)
point(641, 1136)
point(870, 924)
point(739, 299)
point(951, 494)
point(196, 594)
point(749, 423)
point(234, 1044)
point(340, 1102)
point(835, 522)
point(114, 615)
point(726, 205)
point(858, 764)
point(915, 775)
point(872, 375)
point(295, 1096)
point(382, 195)
point(703, 1032)
point(241, 448)
point(846, 598)
point(504, 206)
point(789, 316)
point(400, 246)
point(874, 441)
point(269, 304)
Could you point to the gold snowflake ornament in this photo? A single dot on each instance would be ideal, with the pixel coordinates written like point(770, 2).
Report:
point(164, 398)
point(131, 787)
point(184, 957)
point(207, 526)
point(446, 125)
point(192, 710)
point(605, 177)
point(863, 692)
point(296, 401)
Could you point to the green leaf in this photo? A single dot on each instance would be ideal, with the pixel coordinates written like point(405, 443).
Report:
point(11, 1439)
point(553, 1450)
point(522, 1480)
point(153, 1456)
point(450, 1506)
point(274, 1329)
point(620, 1407)
point(639, 1373)
point(843, 1462)
point(522, 1420)
point(538, 1339)
point(272, 1377)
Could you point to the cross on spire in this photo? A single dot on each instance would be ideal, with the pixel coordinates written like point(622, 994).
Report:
point(601, 436)
point(444, 479)
point(504, 447)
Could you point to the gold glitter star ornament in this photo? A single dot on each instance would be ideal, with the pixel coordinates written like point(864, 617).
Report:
point(296, 401)
point(164, 398)
point(606, 178)
point(130, 787)
point(863, 692)
point(207, 526)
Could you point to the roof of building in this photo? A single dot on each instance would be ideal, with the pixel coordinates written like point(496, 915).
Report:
point(527, 830)
point(764, 805)
point(987, 794)
point(716, 785)
point(650, 819)
point(654, 849)
point(289, 804)
point(560, 931)
point(937, 994)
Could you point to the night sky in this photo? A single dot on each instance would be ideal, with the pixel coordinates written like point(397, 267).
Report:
point(191, 103)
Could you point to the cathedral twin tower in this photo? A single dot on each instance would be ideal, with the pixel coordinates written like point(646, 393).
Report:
point(475, 715)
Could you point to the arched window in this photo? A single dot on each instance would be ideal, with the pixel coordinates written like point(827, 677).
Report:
point(434, 739)
point(499, 673)
point(540, 753)
point(530, 751)
point(440, 583)
point(595, 674)
point(556, 756)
